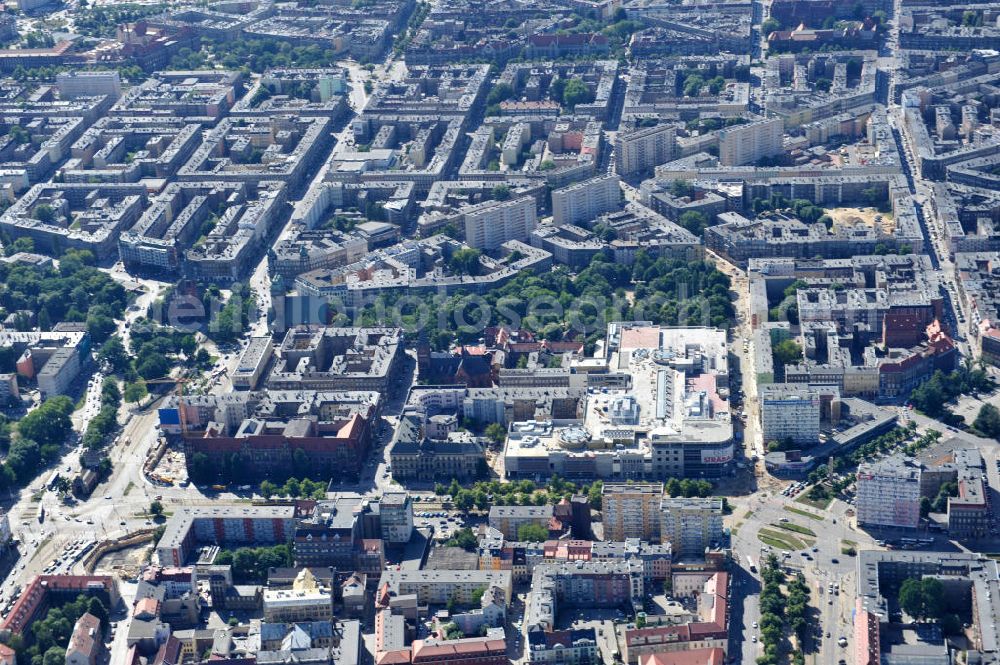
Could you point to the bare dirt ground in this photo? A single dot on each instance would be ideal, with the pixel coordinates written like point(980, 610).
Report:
point(865, 216)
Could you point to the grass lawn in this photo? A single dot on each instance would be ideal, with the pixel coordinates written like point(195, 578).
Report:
point(848, 547)
point(797, 528)
point(780, 540)
point(821, 504)
point(773, 542)
point(805, 513)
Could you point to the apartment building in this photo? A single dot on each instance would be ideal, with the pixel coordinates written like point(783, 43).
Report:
point(644, 149)
point(73, 84)
point(437, 587)
point(690, 525)
point(223, 525)
point(253, 362)
point(396, 517)
point(580, 584)
point(631, 510)
point(53, 359)
point(492, 223)
point(577, 646)
point(307, 600)
point(748, 144)
point(509, 519)
point(889, 493)
point(581, 202)
point(790, 411)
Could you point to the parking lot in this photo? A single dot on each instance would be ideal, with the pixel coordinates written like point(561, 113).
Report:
point(444, 523)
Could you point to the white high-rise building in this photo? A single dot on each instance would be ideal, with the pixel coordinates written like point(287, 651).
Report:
point(584, 201)
point(889, 493)
point(89, 84)
point(690, 524)
point(644, 149)
point(492, 223)
point(396, 517)
point(747, 144)
point(629, 510)
point(790, 411)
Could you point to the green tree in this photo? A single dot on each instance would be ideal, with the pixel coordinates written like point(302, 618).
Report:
point(922, 598)
point(693, 85)
point(99, 324)
point(465, 261)
point(971, 19)
point(787, 352)
point(576, 92)
point(54, 656)
point(500, 92)
point(911, 598)
point(135, 391)
point(156, 509)
point(532, 533)
point(464, 500)
point(20, 245)
point(500, 193)
point(44, 213)
point(594, 494)
point(50, 423)
point(202, 358)
point(694, 221)
point(988, 421)
point(153, 366)
point(681, 188)
point(463, 538)
point(110, 395)
point(20, 135)
point(114, 354)
point(770, 25)
point(495, 432)
point(931, 396)
point(97, 608)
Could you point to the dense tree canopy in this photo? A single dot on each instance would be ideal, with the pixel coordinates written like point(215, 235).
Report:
point(76, 291)
point(558, 305)
point(250, 564)
point(988, 421)
point(787, 352)
point(922, 599)
point(532, 533)
point(49, 423)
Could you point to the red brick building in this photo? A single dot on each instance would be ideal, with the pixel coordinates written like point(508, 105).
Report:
point(36, 599)
point(300, 446)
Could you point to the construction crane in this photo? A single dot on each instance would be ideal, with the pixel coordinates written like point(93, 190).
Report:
point(179, 383)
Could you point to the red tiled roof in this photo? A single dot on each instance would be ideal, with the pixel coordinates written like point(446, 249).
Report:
point(712, 656)
point(426, 653)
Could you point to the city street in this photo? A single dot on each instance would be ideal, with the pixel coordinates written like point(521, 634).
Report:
point(832, 530)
